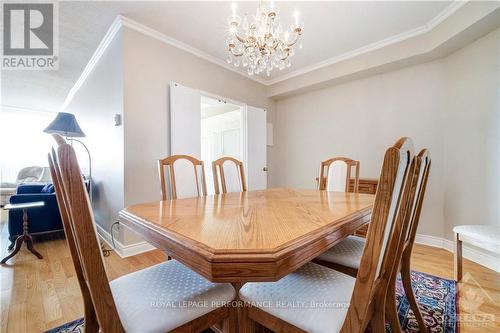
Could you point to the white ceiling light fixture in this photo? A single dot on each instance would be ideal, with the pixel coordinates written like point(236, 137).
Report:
point(260, 44)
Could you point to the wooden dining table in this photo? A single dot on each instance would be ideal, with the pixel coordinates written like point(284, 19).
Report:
point(249, 236)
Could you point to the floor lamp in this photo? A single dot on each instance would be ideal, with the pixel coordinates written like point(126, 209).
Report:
point(66, 125)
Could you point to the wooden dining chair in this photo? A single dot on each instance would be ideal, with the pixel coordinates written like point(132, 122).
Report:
point(346, 256)
point(325, 174)
point(90, 319)
point(415, 201)
point(332, 301)
point(219, 174)
point(149, 300)
point(170, 163)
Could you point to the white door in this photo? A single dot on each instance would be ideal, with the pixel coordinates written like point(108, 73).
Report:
point(185, 121)
point(256, 150)
point(185, 136)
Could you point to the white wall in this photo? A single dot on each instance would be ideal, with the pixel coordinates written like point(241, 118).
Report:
point(472, 134)
point(149, 66)
point(95, 103)
point(449, 106)
point(131, 78)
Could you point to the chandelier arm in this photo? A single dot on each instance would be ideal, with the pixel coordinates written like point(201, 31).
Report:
point(286, 55)
point(236, 54)
point(240, 39)
point(294, 41)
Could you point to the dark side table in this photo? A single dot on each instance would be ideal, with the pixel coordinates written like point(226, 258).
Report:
point(25, 237)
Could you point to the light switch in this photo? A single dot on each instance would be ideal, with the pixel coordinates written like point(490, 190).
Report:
point(118, 119)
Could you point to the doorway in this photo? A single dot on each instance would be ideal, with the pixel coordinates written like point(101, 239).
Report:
point(221, 133)
point(230, 128)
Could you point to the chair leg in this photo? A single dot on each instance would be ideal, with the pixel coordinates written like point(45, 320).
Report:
point(377, 314)
point(91, 324)
point(392, 310)
point(230, 324)
point(406, 279)
point(246, 324)
point(458, 258)
point(378, 321)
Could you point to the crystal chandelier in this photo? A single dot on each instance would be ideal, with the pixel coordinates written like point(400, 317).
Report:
point(260, 44)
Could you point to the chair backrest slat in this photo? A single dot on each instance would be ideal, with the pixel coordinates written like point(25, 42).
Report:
point(91, 324)
point(325, 174)
point(383, 236)
point(68, 228)
point(423, 164)
point(82, 225)
point(169, 163)
point(417, 183)
point(218, 170)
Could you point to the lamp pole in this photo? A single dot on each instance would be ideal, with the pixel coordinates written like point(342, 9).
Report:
point(90, 163)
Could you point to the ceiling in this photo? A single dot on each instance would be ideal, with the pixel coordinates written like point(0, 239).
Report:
point(211, 107)
point(331, 30)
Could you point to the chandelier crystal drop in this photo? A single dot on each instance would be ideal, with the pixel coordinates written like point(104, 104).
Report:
point(260, 44)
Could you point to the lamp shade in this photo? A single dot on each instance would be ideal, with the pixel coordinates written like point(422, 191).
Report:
point(65, 124)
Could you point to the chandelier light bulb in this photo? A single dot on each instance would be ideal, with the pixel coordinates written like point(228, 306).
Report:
point(245, 22)
point(233, 7)
point(296, 15)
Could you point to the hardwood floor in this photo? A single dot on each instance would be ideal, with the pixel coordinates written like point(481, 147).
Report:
point(37, 295)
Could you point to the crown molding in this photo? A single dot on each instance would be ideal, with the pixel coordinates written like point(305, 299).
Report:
point(139, 27)
point(447, 12)
point(101, 48)
point(122, 21)
point(17, 109)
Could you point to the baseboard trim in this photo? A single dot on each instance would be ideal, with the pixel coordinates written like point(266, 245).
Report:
point(481, 257)
point(123, 250)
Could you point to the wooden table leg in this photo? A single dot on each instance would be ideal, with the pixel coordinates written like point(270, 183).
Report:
point(25, 237)
point(19, 242)
point(239, 306)
point(29, 244)
point(457, 258)
point(237, 286)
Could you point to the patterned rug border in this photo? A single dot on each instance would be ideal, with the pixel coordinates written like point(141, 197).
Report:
point(457, 297)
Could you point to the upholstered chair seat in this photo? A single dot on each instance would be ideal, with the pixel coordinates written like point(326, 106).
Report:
point(484, 236)
point(313, 298)
point(165, 296)
point(347, 253)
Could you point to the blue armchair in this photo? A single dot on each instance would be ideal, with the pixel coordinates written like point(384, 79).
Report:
point(42, 220)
